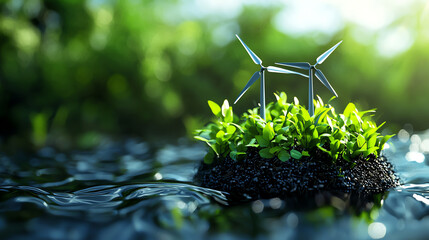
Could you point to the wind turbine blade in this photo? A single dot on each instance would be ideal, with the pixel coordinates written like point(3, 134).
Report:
point(325, 82)
point(255, 58)
point(326, 54)
point(252, 80)
point(300, 65)
point(285, 71)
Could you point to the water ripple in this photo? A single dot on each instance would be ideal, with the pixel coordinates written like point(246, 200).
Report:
point(131, 190)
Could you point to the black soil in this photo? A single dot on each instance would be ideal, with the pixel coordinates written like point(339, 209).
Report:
point(259, 178)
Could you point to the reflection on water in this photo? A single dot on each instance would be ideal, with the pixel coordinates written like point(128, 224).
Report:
point(134, 190)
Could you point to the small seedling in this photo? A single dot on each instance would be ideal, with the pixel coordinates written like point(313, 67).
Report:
point(289, 131)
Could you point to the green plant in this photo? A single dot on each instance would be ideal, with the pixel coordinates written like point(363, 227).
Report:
point(290, 132)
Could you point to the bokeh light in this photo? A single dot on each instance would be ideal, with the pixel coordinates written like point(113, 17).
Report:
point(94, 68)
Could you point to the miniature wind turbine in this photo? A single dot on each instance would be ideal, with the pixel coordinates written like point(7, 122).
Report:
point(261, 74)
point(314, 71)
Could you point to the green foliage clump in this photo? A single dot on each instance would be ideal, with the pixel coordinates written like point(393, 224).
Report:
point(290, 132)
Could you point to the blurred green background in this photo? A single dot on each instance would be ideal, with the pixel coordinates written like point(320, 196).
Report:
point(74, 71)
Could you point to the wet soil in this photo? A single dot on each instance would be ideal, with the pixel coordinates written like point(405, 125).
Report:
point(259, 178)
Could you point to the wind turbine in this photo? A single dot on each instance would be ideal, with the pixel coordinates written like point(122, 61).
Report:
point(314, 71)
point(261, 74)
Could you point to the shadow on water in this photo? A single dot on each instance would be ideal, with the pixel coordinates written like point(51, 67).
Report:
point(133, 190)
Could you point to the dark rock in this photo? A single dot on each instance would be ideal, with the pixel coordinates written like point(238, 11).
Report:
point(268, 178)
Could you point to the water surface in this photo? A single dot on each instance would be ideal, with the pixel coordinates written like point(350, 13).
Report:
point(135, 190)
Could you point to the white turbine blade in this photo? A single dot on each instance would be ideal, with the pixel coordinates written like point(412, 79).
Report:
point(324, 81)
point(300, 65)
point(326, 54)
point(255, 58)
point(252, 80)
point(285, 71)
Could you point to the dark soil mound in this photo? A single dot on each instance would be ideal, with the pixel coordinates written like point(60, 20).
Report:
point(259, 178)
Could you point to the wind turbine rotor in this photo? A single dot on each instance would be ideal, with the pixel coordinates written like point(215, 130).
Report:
point(281, 70)
point(300, 65)
point(252, 80)
point(326, 54)
point(254, 57)
point(324, 81)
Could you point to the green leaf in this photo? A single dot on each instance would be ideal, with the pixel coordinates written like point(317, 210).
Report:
point(372, 141)
point(351, 145)
point(383, 141)
point(323, 149)
point(275, 149)
point(225, 107)
point(201, 138)
point(349, 109)
point(265, 153)
point(230, 129)
point(333, 146)
point(371, 150)
point(283, 99)
point(295, 154)
point(284, 155)
point(357, 153)
point(305, 154)
point(315, 134)
point(321, 115)
point(296, 101)
point(209, 157)
point(268, 132)
point(320, 101)
point(280, 138)
point(360, 141)
point(289, 109)
point(208, 143)
point(234, 154)
point(262, 141)
point(283, 130)
point(220, 134)
point(214, 107)
point(306, 115)
point(252, 143)
point(229, 116)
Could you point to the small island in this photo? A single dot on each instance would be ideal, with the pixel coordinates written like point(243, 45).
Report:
point(292, 153)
